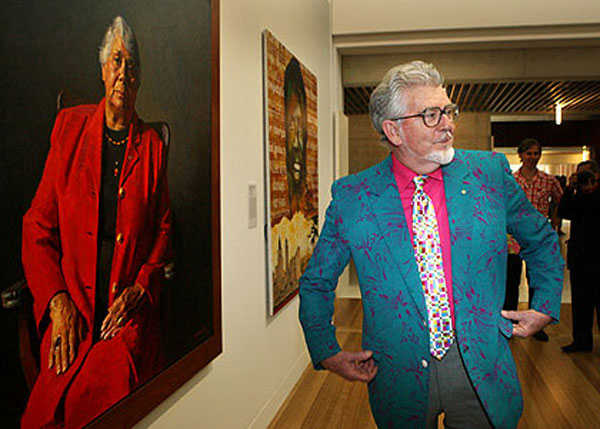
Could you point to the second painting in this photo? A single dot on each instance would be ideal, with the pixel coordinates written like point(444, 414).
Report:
point(291, 159)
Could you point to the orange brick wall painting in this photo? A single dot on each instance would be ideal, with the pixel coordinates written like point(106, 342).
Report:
point(292, 180)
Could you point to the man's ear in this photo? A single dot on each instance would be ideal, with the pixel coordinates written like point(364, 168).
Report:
point(392, 132)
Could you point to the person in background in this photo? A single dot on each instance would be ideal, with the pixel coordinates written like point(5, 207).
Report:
point(543, 190)
point(581, 205)
point(427, 231)
point(514, 268)
point(562, 180)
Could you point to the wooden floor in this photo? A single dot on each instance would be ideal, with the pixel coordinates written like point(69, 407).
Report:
point(561, 391)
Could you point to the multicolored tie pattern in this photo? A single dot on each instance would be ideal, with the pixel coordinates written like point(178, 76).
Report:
point(428, 253)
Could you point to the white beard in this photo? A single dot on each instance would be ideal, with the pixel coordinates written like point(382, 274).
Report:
point(441, 157)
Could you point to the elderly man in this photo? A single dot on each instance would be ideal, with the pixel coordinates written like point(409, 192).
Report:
point(427, 231)
point(581, 205)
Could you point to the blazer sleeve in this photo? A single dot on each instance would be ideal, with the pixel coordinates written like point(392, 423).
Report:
point(152, 271)
point(539, 246)
point(41, 246)
point(318, 283)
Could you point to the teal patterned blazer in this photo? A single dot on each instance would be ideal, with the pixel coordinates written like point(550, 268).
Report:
point(365, 221)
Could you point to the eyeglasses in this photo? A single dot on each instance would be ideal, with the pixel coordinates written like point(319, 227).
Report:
point(432, 116)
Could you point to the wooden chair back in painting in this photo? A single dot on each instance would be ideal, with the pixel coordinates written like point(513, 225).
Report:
point(17, 297)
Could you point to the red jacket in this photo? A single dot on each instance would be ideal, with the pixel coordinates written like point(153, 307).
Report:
point(60, 236)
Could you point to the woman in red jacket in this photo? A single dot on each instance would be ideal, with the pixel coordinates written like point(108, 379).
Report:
point(95, 243)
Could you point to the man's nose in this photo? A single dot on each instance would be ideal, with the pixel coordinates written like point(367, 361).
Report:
point(447, 122)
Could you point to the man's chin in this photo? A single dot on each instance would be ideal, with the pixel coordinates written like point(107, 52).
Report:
point(443, 156)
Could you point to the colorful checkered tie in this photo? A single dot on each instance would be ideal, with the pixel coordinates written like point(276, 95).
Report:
point(428, 253)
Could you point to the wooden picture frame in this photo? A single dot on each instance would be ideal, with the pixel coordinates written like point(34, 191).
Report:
point(137, 405)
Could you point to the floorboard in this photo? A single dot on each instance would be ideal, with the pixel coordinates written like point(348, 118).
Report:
point(560, 390)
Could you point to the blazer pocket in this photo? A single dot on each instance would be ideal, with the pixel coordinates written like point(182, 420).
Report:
point(505, 326)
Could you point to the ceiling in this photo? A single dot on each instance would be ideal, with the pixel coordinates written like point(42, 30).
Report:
point(502, 98)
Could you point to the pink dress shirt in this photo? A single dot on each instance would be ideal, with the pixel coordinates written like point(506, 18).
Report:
point(434, 188)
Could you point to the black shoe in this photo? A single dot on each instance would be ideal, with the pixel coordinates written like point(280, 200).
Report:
point(575, 347)
point(541, 336)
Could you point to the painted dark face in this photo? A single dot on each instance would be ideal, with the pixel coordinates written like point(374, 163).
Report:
point(295, 142)
point(531, 156)
point(120, 74)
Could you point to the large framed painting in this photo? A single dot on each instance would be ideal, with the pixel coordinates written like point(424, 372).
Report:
point(111, 277)
point(291, 172)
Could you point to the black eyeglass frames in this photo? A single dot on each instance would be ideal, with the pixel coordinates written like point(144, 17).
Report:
point(432, 116)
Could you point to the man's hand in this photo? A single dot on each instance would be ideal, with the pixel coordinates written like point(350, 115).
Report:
point(353, 366)
point(121, 310)
point(67, 332)
point(528, 321)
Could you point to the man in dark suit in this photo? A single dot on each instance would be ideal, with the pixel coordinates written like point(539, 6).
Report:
point(581, 205)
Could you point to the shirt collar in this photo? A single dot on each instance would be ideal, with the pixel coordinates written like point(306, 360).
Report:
point(535, 176)
point(404, 175)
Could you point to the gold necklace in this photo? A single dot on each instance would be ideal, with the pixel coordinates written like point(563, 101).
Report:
point(115, 142)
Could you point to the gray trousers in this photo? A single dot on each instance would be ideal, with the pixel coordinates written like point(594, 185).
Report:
point(451, 393)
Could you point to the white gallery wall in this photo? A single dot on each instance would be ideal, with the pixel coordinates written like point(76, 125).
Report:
point(262, 357)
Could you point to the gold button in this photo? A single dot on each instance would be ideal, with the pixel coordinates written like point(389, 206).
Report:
point(114, 287)
point(120, 238)
point(463, 192)
point(121, 192)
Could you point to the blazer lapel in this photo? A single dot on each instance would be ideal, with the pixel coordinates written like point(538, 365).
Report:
point(389, 214)
point(92, 148)
point(460, 203)
point(132, 154)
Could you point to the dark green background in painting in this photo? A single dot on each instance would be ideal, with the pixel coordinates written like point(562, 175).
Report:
point(49, 46)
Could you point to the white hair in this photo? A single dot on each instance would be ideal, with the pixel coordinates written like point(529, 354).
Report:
point(388, 98)
point(119, 27)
